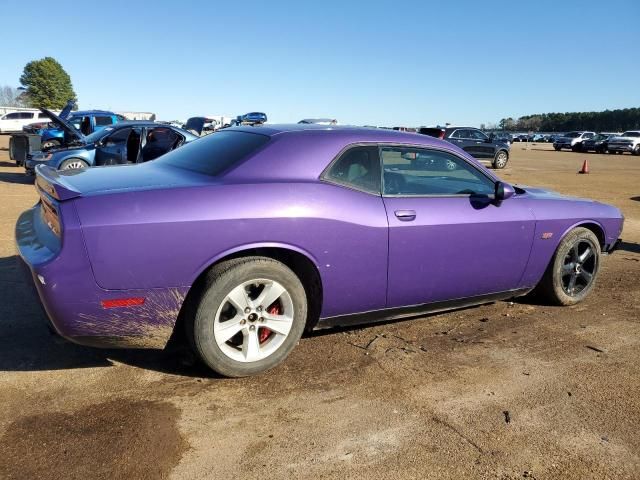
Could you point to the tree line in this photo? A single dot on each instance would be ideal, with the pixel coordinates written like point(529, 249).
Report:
point(607, 121)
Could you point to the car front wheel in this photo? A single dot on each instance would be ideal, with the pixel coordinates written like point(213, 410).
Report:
point(572, 273)
point(636, 150)
point(73, 164)
point(249, 315)
point(501, 159)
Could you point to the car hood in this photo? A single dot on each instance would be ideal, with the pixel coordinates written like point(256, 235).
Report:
point(121, 178)
point(544, 194)
point(620, 137)
point(67, 127)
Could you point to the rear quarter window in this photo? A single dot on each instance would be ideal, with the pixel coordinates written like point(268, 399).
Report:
point(216, 153)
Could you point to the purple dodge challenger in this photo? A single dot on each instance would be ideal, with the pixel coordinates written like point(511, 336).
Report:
point(248, 237)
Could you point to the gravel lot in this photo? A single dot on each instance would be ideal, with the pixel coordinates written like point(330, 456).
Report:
point(507, 390)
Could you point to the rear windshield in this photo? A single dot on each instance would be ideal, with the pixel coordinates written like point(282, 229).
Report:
point(572, 135)
point(631, 134)
point(215, 153)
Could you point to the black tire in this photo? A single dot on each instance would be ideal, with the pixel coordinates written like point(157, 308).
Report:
point(636, 150)
point(576, 148)
point(48, 144)
point(557, 149)
point(73, 163)
point(566, 268)
point(501, 159)
point(210, 298)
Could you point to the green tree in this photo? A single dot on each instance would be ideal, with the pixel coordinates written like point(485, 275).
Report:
point(47, 84)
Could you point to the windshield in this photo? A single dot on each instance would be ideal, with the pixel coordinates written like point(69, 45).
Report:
point(215, 153)
point(95, 136)
point(600, 137)
point(631, 134)
point(572, 135)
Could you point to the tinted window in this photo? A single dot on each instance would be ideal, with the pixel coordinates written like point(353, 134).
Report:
point(458, 134)
point(215, 153)
point(12, 116)
point(100, 121)
point(26, 115)
point(119, 136)
point(358, 167)
point(476, 135)
point(42, 115)
point(631, 134)
point(410, 171)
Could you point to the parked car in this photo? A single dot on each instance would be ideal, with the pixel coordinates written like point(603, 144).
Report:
point(598, 144)
point(246, 237)
point(474, 142)
point(86, 121)
point(252, 118)
point(14, 121)
point(122, 143)
point(201, 125)
point(627, 142)
point(572, 140)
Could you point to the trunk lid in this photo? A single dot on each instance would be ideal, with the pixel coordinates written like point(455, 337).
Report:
point(67, 184)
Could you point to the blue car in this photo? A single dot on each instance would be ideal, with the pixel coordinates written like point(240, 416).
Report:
point(121, 143)
point(86, 121)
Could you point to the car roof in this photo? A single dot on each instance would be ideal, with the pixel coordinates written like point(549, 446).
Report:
point(90, 112)
point(351, 134)
point(318, 144)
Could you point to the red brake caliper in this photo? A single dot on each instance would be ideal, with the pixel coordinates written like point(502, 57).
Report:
point(264, 332)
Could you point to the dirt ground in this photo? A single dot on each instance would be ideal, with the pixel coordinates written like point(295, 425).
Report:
point(507, 390)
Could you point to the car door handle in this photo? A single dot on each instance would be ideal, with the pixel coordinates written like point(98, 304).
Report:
point(405, 215)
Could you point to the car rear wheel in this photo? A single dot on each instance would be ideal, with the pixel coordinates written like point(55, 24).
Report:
point(73, 164)
point(557, 149)
point(249, 315)
point(501, 159)
point(636, 150)
point(47, 144)
point(574, 268)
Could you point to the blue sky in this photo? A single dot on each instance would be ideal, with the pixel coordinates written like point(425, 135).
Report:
point(380, 63)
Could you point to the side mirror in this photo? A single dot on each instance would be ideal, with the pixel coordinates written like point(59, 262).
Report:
point(504, 191)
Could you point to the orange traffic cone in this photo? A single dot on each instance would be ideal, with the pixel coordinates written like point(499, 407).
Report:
point(585, 167)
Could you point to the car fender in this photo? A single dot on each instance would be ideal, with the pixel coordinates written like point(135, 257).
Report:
point(252, 246)
point(581, 223)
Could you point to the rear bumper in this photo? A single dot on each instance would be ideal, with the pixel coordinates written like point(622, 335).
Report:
point(72, 300)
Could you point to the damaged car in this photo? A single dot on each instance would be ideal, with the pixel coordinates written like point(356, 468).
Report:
point(118, 144)
point(248, 237)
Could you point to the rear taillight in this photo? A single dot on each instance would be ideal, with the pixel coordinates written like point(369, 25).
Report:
point(50, 216)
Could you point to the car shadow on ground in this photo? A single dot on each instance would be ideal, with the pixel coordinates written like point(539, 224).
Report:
point(629, 247)
point(637, 199)
point(28, 344)
point(17, 177)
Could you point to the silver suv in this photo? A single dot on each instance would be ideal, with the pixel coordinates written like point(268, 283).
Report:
point(627, 142)
point(572, 140)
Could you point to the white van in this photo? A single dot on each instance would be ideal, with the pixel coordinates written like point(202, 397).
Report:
point(14, 121)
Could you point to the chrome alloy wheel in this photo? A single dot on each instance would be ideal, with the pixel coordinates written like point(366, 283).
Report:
point(74, 165)
point(253, 320)
point(579, 268)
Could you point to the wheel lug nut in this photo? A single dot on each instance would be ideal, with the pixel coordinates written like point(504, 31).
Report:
point(261, 319)
point(243, 321)
point(247, 310)
point(260, 308)
point(252, 327)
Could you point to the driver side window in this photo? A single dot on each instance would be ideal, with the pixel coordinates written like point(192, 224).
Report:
point(424, 172)
point(118, 137)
